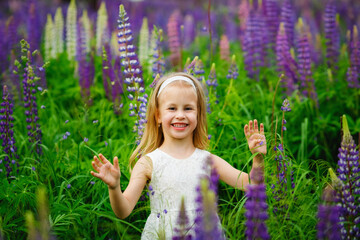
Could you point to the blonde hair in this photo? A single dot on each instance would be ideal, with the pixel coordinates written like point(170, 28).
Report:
point(153, 136)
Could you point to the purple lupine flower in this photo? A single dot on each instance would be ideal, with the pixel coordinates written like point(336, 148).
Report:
point(33, 28)
point(211, 85)
point(285, 62)
point(132, 72)
point(158, 65)
point(233, 71)
point(353, 72)
point(254, 43)
point(207, 220)
point(173, 28)
point(181, 230)
point(112, 82)
point(189, 68)
point(199, 70)
point(68, 186)
point(7, 135)
point(331, 35)
point(86, 139)
point(256, 212)
point(272, 11)
point(288, 18)
point(304, 65)
point(328, 226)
point(189, 30)
point(86, 64)
point(348, 169)
point(29, 90)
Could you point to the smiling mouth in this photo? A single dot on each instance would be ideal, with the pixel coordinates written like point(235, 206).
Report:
point(179, 125)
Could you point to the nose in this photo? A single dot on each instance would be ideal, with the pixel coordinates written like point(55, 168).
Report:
point(180, 114)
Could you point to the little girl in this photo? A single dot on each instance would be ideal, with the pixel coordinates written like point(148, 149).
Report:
point(172, 157)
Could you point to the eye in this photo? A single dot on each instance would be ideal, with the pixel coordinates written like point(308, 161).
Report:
point(171, 108)
point(188, 108)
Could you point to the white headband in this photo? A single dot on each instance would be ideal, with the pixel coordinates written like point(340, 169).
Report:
point(173, 79)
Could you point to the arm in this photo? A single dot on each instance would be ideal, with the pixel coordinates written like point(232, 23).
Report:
point(232, 176)
point(229, 174)
point(122, 203)
point(257, 144)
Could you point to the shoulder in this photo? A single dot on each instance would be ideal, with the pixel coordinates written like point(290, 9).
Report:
point(144, 166)
point(216, 161)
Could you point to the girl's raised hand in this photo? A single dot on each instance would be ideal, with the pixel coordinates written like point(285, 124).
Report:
point(108, 173)
point(256, 140)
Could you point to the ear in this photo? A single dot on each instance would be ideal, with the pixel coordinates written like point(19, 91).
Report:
point(157, 116)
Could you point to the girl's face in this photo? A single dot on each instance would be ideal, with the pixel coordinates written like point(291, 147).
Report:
point(177, 112)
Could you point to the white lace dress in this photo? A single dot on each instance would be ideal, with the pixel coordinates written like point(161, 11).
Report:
point(171, 180)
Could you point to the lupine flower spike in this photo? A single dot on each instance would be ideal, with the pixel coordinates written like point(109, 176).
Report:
point(29, 83)
point(353, 72)
point(59, 31)
point(328, 226)
point(304, 60)
point(331, 35)
point(71, 30)
point(182, 228)
point(173, 28)
point(349, 174)
point(158, 63)
point(256, 208)
point(285, 62)
point(132, 73)
point(207, 225)
point(10, 161)
point(224, 48)
point(102, 28)
point(144, 43)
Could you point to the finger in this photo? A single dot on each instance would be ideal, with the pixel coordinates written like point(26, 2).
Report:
point(96, 167)
point(116, 163)
point(262, 129)
point(246, 131)
point(251, 126)
point(256, 129)
point(97, 162)
point(103, 159)
point(97, 175)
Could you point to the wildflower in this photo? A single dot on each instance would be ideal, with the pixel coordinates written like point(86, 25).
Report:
point(285, 62)
point(182, 228)
point(224, 48)
point(58, 32)
point(233, 71)
point(66, 121)
point(7, 133)
point(33, 168)
point(158, 62)
point(68, 186)
point(102, 29)
point(106, 144)
point(71, 30)
point(174, 38)
point(95, 121)
point(348, 194)
point(207, 221)
point(92, 182)
point(331, 35)
point(165, 211)
point(353, 72)
point(29, 82)
point(288, 18)
point(86, 139)
point(42, 107)
point(144, 42)
point(256, 212)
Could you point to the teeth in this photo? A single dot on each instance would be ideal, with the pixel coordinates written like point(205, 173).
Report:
point(179, 125)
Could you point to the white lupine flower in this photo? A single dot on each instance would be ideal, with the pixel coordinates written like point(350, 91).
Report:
point(144, 42)
point(87, 31)
point(49, 39)
point(102, 30)
point(71, 30)
point(59, 31)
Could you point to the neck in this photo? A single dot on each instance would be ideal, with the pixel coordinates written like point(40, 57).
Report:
point(178, 149)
